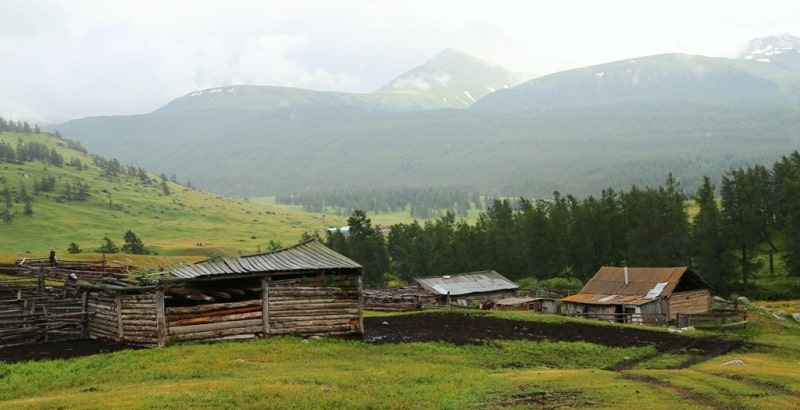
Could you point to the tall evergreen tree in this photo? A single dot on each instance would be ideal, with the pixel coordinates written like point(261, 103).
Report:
point(744, 214)
point(708, 244)
point(366, 245)
point(786, 176)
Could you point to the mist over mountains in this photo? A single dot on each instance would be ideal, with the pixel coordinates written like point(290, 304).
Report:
point(457, 121)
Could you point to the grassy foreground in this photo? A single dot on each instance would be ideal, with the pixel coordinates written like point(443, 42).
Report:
point(291, 372)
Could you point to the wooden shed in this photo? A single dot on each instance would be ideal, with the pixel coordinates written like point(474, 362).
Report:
point(307, 289)
point(468, 287)
point(640, 295)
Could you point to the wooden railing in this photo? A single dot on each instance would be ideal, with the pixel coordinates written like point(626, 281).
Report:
point(656, 319)
point(721, 319)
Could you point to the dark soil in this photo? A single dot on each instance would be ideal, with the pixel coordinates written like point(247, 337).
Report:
point(456, 328)
point(59, 350)
point(461, 329)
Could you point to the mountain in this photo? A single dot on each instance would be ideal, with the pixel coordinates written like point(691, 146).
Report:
point(781, 50)
point(578, 131)
point(455, 78)
point(666, 78)
point(449, 80)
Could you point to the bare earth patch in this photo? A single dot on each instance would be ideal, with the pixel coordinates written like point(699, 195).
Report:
point(451, 327)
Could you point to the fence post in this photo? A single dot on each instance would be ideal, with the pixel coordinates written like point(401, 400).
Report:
point(85, 317)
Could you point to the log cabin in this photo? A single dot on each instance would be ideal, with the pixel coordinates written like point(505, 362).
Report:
point(305, 290)
point(640, 295)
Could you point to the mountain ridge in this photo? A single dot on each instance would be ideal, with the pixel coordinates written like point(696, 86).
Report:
point(424, 87)
point(578, 131)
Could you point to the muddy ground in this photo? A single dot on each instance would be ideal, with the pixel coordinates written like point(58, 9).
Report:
point(456, 328)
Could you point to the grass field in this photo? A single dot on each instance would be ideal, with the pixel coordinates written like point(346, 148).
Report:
point(290, 372)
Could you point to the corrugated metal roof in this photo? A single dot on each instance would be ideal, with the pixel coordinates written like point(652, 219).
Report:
point(610, 280)
point(601, 299)
point(476, 282)
point(608, 286)
point(309, 255)
point(513, 301)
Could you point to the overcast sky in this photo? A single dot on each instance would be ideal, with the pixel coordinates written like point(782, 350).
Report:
point(66, 59)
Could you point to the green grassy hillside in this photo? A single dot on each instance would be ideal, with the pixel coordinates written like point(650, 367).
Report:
point(187, 223)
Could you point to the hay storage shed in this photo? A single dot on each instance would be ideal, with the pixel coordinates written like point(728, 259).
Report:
point(307, 289)
point(640, 295)
point(467, 287)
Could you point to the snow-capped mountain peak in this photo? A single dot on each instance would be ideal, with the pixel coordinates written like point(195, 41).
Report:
point(764, 48)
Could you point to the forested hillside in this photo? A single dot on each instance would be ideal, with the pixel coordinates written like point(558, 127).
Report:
point(746, 242)
point(531, 154)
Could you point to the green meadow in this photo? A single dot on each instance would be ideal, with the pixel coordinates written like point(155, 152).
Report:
point(296, 373)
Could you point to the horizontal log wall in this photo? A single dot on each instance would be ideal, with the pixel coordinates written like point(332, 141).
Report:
point(138, 317)
point(103, 316)
point(330, 307)
point(215, 321)
point(129, 318)
point(693, 301)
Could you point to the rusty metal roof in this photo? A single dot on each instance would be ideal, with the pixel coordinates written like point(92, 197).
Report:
point(608, 286)
point(601, 299)
point(309, 255)
point(513, 301)
point(463, 284)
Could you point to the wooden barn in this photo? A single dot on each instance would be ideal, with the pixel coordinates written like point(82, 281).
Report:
point(306, 289)
point(640, 295)
point(468, 287)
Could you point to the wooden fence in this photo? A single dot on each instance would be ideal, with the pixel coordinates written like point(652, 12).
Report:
point(656, 319)
point(31, 314)
point(721, 319)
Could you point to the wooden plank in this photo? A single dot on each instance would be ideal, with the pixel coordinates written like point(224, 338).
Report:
point(213, 334)
point(161, 318)
point(215, 319)
point(211, 306)
point(218, 312)
point(265, 311)
point(174, 330)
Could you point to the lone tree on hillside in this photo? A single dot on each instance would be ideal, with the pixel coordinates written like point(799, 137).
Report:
point(108, 246)
point(133, 244)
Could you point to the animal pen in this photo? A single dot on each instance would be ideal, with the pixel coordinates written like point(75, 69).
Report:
point(42, 303)
point(306, 289)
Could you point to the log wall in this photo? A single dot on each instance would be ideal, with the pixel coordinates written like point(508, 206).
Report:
point(332, 308)
point(693, 301)
point(129, 318)
point(329, 305)
point(215, 321)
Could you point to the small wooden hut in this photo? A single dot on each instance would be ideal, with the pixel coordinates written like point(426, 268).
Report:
point(640, 295)
point(306, 289)
point(480, 286)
